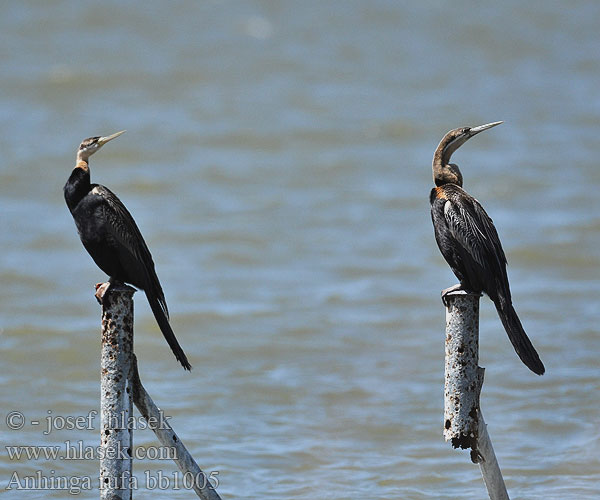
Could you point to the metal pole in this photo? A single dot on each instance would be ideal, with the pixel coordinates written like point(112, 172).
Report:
point(116, 401)
point(463, 422)
point(490, 470)
point(193, 475)
point(120, 387)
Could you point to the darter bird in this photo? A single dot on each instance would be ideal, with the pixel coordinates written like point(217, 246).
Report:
point(112, 238)
point(468, 240)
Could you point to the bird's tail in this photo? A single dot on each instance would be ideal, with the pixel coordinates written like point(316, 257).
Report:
point(523, 346)
point(163, 322)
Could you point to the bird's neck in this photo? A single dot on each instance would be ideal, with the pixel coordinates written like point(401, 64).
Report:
point(82, 164)
point(448, 173)
point(78, 184)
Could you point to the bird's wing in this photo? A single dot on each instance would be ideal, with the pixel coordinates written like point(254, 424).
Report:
point(489, 231)
point(471, 226)
point(120, 223)
point(124, 230)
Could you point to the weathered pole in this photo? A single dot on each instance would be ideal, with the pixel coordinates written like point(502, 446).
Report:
point(120, 388)
point(116, 398)
point(199, 481)
point(463, 422)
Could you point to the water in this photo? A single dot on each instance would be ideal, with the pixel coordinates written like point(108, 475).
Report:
point(277, 161)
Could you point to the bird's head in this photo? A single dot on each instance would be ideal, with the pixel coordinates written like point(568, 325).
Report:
point(92, 144)
point(445, 172)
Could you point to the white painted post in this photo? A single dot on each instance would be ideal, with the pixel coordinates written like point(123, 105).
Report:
point(463, 422)
point(116, 401)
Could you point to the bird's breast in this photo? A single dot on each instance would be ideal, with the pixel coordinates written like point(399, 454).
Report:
point(437, 193)
point(440, 193)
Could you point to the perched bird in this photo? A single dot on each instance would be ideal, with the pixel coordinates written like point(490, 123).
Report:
point(468, 240)
point(111, 236)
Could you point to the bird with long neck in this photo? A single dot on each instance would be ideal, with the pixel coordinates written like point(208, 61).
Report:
point(469, 242)
point(112, 238)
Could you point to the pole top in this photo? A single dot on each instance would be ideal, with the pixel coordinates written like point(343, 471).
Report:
point(462, 292)
point(457, 291)
point(116, 287)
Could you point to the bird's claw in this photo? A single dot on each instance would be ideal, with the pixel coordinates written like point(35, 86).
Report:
point(101, 289)
point(448, 290)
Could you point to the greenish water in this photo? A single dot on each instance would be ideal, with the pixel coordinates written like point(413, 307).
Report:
point(277, 161)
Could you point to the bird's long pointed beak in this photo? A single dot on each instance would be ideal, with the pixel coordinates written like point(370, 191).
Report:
point(103, 140)
point(481, 128)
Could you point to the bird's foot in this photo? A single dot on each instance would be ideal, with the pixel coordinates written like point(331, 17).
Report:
point(446, 291)
point(101, 289)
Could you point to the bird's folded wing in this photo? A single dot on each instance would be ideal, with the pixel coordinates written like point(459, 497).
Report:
point(471, 226)
point(130, 242)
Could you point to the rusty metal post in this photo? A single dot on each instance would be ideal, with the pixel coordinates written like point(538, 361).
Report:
point(462, 382)
point(463, 422)
point(116, 399)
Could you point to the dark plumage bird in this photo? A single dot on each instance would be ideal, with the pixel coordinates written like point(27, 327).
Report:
point(469, 242)
point(111, 236)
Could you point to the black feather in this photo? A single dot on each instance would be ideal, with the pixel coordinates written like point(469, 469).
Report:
point(112, 238)
point(469, 242)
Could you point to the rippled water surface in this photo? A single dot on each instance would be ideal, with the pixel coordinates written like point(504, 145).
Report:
point(277, 161)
